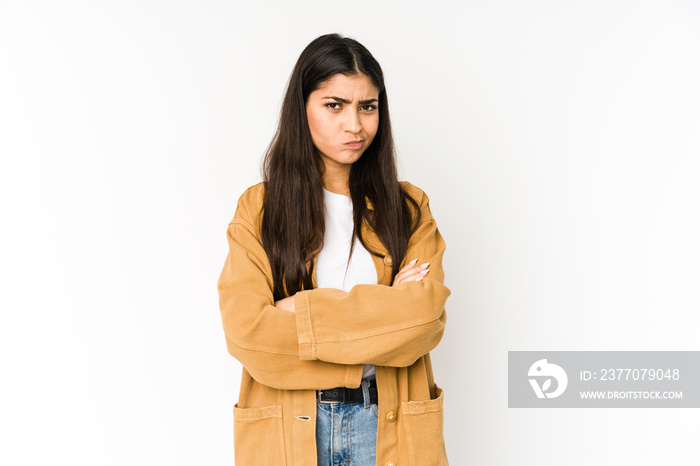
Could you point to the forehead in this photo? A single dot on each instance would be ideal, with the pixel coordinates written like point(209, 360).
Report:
point(341, 85)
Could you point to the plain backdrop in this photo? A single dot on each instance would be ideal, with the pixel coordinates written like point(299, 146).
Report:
point(558, 141)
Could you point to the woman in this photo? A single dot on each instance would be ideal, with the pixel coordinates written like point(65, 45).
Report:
point(332, 293)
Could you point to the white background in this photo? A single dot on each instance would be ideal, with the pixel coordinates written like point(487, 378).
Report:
point(558, 141)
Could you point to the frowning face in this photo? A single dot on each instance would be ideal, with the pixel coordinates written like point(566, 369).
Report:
point(343, 117)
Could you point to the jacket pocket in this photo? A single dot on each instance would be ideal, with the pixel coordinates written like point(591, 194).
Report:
point(258, 436)
point(423, 424)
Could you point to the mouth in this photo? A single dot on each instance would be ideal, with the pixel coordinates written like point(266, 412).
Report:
point(356, 144)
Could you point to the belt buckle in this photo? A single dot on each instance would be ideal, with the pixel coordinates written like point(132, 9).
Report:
point(320, 392)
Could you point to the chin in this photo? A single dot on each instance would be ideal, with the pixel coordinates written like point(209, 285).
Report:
point(348, 160)
point(353, 159)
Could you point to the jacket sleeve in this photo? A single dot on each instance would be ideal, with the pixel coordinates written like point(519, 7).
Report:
point(379, 324)
point(261, 336)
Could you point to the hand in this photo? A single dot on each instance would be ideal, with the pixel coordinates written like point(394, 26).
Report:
point(411, 272)
point(286, 304)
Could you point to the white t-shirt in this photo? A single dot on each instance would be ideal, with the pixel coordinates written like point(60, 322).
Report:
point(333, 258)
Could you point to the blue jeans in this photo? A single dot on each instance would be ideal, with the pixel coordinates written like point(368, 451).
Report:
point(346, 434)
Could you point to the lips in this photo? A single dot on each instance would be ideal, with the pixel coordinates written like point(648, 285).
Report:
point(356, 144)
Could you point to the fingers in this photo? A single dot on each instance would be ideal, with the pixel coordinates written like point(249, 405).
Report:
point(411, 271)
point(286, 304)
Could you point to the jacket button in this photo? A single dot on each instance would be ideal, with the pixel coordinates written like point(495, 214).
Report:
point(391, 417)
point(391, 463)
point(388, 261)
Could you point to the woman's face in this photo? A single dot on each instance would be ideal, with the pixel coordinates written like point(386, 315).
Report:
point(343, 117)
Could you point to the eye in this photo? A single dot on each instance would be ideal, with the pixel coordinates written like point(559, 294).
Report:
point(368, 107)
point(333, 105)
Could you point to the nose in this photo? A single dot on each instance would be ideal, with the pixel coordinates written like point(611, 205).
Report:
point(352, 121)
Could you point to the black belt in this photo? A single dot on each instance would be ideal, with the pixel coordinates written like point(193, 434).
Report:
point(348, 395)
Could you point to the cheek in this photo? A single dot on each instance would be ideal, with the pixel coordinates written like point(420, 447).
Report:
point(317, 125)
point(372, 127)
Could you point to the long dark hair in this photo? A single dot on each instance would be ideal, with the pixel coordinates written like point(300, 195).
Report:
point(293, 223)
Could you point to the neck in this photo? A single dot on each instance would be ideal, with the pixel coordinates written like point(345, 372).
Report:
point(337, 181)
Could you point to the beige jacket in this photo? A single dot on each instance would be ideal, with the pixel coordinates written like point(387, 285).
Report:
point(287, 356)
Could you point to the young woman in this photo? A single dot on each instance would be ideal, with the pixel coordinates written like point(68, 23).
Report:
point(333, 291)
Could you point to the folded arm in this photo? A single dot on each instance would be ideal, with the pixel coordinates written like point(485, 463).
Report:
point(378, 324)
point(261, 336)
point(332, 333)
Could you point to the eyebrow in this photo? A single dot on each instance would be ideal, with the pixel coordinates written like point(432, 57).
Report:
point(345, 101)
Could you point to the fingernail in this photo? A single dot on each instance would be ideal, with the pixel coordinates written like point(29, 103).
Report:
point(423, 272)
point(425, 265)
point(419, 279)
point(413, 261)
